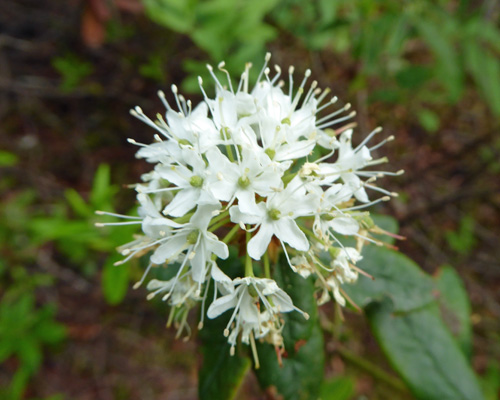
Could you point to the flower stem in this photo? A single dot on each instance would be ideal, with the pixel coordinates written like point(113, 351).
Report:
point(216, 226)
point(184, 218)
point(231, 233)
point(267, 269)
point(248, 259)
point(219, 217)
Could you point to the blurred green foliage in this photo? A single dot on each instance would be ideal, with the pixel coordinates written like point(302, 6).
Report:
point(72, 70)
point(71, 227)
point(234, 31)
point(463, 239)
point(26, 328)
point(420, 53)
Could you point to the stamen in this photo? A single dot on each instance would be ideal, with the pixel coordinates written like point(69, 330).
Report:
point(137, 284)
point(290, 80)
point(228, 76)
point(175, 91)
point(333, 114)
point(264, 67)
point(163, 99)
point(367, 139)
point(98, 212)
point(336, 121)
point(333, 100)
point(211, 71)
point(278, 74)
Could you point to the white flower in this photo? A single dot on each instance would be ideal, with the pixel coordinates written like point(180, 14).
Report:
point(272, 160)
point(342, 265)
point(192, 178)
point(194, 239)
point(276, 217)
point(246, 297)
point(242, 180)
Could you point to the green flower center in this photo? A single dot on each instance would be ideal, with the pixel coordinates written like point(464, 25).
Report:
point(196, 181)
point(326, 217)
point(243, 181)
point(274, 214)
point(192, 238)
point(270, 152)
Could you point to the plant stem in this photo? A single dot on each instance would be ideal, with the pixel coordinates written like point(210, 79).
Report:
point(267, 268)
point(248, 260)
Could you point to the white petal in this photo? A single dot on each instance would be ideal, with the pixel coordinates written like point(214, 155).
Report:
point(257, 246)
point(237, 215)
point(221, 305)
point(220, 276)
point(183, 201)
point(345, 225)
point(287, 231)
point(172, 246)
point(214, 245)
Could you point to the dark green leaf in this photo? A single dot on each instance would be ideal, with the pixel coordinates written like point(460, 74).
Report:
point(102, 192)
point(387, 223)
point(77, 203)
point(448, 70)
point(423, 351)
point(490, 381)
point(413, 76)
point(8, 159)
point(455, 306)
point(115, 280)
point(301, 375)
point(485, 70)
point(221, 374)
point(341, 388)
point(429, 120)
point(396, 276)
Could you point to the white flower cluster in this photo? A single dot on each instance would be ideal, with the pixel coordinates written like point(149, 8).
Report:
point(261, 169)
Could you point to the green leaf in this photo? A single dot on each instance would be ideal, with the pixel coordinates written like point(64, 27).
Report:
point(429, 120)
point(485, 70)
point(463, 240)
point(341, 388)
point(115, 280)
point(447, 67)
point(490, 381)
point(423, 351)
point(77, 204)
point(221, 374)
point(413, 76)
point(455, 306)
point(387, 223)
point(177, 15)
point(102, 192)
point(8, 159)
point(301, 375)
point(396, 276)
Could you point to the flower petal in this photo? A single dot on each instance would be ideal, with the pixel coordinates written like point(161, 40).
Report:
point(257, 246)
point(287, 230)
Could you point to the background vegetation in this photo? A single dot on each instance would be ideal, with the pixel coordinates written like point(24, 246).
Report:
point(428, 71)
